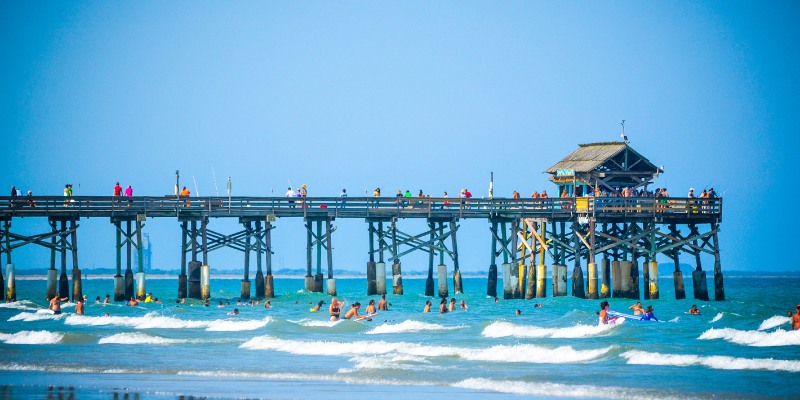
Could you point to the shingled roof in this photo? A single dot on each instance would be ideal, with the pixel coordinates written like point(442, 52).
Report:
point(592, 155)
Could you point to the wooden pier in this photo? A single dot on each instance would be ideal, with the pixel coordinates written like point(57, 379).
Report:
point(578, 228)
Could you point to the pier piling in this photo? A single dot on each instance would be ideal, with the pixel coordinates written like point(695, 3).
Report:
point(442, 281)
point(677, 276)
point(605, 286)
point(653, 284)
point(616, 279)
point(457, 286)
point(380, 278)
point(11, 286)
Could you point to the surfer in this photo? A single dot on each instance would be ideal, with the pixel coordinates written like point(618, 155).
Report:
point(796, 319)
point(694, 310)
point(382, 305)
point(55, 304)
point(604, 318)
point(427, 308)
point(334, 309)
point(637, 308)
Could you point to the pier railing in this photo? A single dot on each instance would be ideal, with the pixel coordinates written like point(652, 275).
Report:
point(678, 209)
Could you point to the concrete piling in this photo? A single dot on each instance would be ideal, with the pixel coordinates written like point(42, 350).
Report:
point(559, 280)
point(442, 281)
point(458, 288)
point(509, 281)
point(592, 288)
point(330, 285)
point(77, 286)
point(719, 287)
point(530, 290)
point(653, 284)
point(119, 288)
point(700, 285)
point(52, 277)
point(63, 285)
point(269, 288)
point(397, 278)
point(194, 279)
point(11, 284)
point(141, 289)
point(372, 285)
point(624, 279)
point(677, 276)
point(616, 279)
point(634, 279)
point(380, 278)
point(309, 283)
point(2, 285)
point(491, 289)
point(605, 285)
point(318, 279)
point(129, 284)
point(245, 289)
point(205, 282)
point(260, 285)
point(541, 279)
point(577, 283)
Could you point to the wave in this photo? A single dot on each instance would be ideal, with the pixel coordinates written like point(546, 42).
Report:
point(21, 305)
point(396, 362)
point(772, 322)
point(316, 322)
point(714, 362)
point(31, 337)
point(139, 338)
point(754, 338)
point(506, 329)
point(549, 389)
point(522, 353)
point(153, 320)
point(410, 326)
point(716, 317)
point(31, 317)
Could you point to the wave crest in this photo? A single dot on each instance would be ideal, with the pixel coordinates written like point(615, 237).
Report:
point(754, 338)
point(410, 326)
point(505, 329)
point(714, 362)
point(31, 337)
point(153, 320)
point(772, 322)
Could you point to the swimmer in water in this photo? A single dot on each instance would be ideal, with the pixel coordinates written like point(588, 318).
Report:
point(604, 318)
point(382, 305)
point(334, 309)
point(694, 310)
point(452, 306)
point(79, 307)
point(637, 308)
point(463, 305)
point(235, 312)
point(353, 312)
point(370, 307)
point(443, 306)
point(796, 319)
point(55, 303)
point(648, 314)
point(427, 308)
point(519, 312)
point(318, 306)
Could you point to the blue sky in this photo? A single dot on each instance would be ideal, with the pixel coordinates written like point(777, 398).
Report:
point(397, 95)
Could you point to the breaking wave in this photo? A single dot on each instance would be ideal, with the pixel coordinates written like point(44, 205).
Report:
point(410, 326)
point(772, 322)
point(715, 362)
point(153, 320)
point(31, 337)
point(778, 337)
point(506, 329)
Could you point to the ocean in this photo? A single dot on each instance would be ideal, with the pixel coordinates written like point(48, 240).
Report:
point(738, 348)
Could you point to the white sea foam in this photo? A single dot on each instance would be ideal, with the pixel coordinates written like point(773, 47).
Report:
point(316, 322)
point(715, 362)
point(410, 326)
point(778, 337)
point(506, 329)
point(716, 317)
point(37, 316)
point(139, 338)
point(501, 353)
point(31, 337)
point(383, 362)
point(153, 320)
point(549, 389)
point(772, 322)
point(21, 305)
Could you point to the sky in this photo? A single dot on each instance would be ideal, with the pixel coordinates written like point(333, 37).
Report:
point(410, 95)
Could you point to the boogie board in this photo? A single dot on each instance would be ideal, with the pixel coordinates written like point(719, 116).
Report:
point(628, 316)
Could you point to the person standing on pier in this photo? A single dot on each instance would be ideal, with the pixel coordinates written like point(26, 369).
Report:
point(117, 190)
point(290, 194)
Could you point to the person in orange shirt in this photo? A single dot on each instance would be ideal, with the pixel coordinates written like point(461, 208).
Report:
point(185, 193)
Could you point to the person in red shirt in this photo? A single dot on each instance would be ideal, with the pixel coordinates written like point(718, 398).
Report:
point(117, 190)
point(467, 194)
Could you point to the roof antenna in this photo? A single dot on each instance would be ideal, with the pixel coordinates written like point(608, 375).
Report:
point(624, 137)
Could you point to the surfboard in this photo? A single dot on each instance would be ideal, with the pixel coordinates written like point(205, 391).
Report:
point(631, 317)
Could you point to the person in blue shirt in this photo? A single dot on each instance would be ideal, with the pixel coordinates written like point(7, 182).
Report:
point(648, 315)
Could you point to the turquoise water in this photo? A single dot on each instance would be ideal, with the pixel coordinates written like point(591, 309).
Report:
point(739, 348)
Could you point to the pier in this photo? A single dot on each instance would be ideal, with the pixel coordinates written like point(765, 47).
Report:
point(607, 239)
